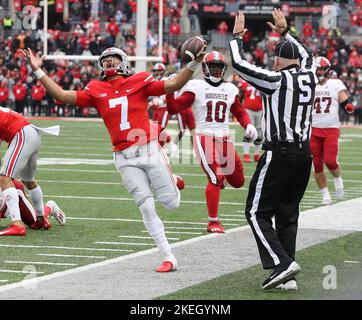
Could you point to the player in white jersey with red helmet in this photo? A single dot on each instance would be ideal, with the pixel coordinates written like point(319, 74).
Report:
point(330, 95)
point(212, 100)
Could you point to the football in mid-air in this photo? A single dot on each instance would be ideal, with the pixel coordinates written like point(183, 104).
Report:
point(192, 48)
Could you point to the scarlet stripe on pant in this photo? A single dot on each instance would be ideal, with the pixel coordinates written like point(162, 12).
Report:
point(219, 160)
point(15, 154)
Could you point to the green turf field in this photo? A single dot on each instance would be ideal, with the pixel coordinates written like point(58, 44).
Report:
point(76, 170)
point(331, 270)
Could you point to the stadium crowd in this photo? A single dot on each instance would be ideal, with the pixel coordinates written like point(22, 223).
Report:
point(90, 29)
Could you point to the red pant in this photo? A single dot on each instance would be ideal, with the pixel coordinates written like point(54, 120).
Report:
point(161, 115)
point(324, 147)
point(186, 118)
point(219, 160)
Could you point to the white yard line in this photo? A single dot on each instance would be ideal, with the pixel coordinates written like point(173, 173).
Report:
point(70, 256)
point(145, 237)
point(185, 228)
point(131, 199)
point(125, 243)
point(41, 263)
point(21, 271)
point(347, 212)
point(181, 232)
point(134, 220)
point(351, 261)
point(78, 154)
point(3, 281)
point(107, 150)
point(63, 248)
point(33, 281)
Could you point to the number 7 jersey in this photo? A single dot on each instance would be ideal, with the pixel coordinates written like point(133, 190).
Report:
point(123, 105)
point(325, 111)
point(212, 106)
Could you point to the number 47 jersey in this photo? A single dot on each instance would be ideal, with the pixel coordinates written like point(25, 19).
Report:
point(212, 106)
point(326, 106)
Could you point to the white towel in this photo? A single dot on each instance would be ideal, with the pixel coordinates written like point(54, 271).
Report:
point(53, 130)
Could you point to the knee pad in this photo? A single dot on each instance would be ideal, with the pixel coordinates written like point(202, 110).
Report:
point(246, 139)
point(170, 201)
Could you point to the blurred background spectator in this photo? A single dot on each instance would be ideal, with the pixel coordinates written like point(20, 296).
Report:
point(88, 27)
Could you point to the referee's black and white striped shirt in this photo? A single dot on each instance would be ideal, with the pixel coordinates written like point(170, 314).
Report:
point(288, 95)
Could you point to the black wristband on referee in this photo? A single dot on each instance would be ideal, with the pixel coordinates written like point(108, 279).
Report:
point(238, 36)
point(285, 32)
point(345, 102)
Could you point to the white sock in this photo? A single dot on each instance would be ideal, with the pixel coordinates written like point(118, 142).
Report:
point(324, 191)
point(36, 196)
point(12, 201)
point(257, 149)
point(155, 227)
point(338, 183)
point(246, 147)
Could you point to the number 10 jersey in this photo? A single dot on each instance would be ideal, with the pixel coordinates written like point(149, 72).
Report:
point(212, 106)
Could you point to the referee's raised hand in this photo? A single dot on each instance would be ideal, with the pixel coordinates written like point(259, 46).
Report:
point(280, 23)
point(239, 25)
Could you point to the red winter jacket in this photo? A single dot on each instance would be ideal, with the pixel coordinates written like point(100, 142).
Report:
point(19, 92)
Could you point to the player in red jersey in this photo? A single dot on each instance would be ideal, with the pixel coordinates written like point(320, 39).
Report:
point(122, 101)
point(212, 100)
point(253, 105)
point(27, 212)
point(185, 118)
point(20, 160)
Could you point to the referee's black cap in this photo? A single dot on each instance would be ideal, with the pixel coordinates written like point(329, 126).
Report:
point(286, 49)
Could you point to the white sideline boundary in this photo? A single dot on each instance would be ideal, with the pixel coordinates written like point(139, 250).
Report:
point(32, 282)
point(326, 218)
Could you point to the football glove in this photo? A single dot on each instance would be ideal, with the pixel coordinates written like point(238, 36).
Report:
point(251, 132)
point(349, 108)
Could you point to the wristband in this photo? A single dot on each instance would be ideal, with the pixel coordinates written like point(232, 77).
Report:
point(39, 73)
point(238, 36)
point(192, 65)
point(344, 103)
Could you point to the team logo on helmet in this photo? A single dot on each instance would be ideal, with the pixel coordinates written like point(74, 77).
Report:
point(214, 66)
point(109, 68)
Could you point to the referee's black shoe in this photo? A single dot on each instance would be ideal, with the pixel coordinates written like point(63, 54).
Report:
point(281, 274)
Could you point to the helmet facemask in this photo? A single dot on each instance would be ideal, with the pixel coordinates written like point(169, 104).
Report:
point(158, 74)
point(158, 71)
point(322, 73)
point(113, 61)
point(110, 65)
point(214, 71)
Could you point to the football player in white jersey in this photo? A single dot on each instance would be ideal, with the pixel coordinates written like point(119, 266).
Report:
point(212, 100)
point(330, 95)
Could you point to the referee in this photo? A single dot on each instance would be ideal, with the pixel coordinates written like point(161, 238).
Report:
point(282, 174)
